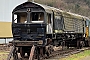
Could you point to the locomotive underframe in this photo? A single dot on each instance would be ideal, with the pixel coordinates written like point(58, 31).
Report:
point(27, 43)
point(59, 39)
point(69, 39)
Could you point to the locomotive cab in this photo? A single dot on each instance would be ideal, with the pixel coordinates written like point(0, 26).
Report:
point(29, 24)
point(23, 17)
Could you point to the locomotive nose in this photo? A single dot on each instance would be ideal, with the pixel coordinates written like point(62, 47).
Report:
point(29, 32)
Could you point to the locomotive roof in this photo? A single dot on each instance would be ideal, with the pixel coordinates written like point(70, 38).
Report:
point(45, 7)
point(49, 9)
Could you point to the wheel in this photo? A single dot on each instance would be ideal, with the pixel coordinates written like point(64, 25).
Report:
point(63, 45)
point(79, 44)
point(49, 49)
point(82, 44)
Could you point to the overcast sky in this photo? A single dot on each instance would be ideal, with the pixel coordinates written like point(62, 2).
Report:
point(6, 7)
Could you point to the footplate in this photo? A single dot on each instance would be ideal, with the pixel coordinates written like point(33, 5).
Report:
point(27, 43)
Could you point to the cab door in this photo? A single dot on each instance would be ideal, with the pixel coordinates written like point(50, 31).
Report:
point(49, 23)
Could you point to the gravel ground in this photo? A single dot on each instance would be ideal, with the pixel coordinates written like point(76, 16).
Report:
point(4, 53)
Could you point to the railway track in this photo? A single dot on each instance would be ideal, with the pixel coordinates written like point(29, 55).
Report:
point(67, 53)
point(60, 54)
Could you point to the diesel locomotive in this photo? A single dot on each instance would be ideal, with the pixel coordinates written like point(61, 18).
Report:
point(43, 27)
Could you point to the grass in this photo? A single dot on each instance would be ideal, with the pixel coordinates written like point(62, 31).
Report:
point(4, 52)
point(3, 55)
point(77, 56)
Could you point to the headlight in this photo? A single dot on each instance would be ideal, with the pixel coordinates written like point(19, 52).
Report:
point(40, 42)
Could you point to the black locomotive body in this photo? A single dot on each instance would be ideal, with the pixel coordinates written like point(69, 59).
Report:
point(42, 26)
